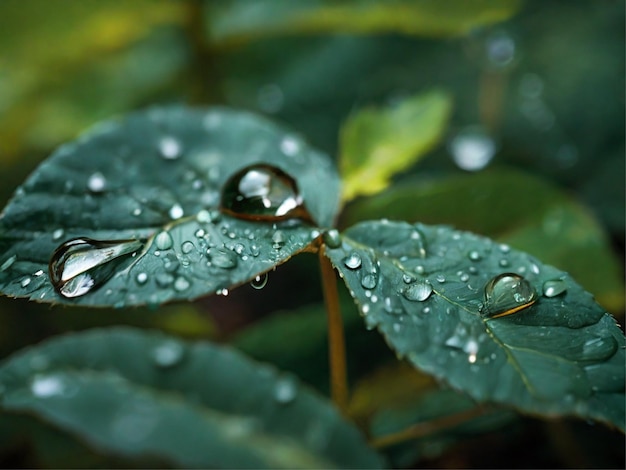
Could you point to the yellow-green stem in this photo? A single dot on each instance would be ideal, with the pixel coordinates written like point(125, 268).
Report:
point(336, 339)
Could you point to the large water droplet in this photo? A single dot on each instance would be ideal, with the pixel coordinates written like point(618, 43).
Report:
point(507, 293)
point(597, 349)
point(353, 260)
point(168, 353)
point(332, 238)
point(554, 288)
point(369, 281)
point(419, 291)
point(96, 183)
point(80, 265)
point(163, 241)
point(263, 192)
point(260, 281)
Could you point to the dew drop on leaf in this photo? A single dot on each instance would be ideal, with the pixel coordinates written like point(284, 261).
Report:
point(353, 260)
point(96, 182)
point(8, 263)
point(554, 288)
point(332, 238)
point(181, 284)
point(141, 278)
point(474, 255)
point(263, 192)
point(187, 247)
point(369, 281)
point(80, 265)
point(168, 354)
point(278, 240)
point(285, 390)
point(176, 212)
point(260, 281)
point(163, 241)
point(419, 291)
point(170, 148)
point(598, 349)
point(507, 293)
point(46, 386)
point(224, 259)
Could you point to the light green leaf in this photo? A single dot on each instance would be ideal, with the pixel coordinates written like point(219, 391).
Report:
point(240, 21)
point(136, 394)
point(442, 299)
point(148, 189)
point(515, 208)
point(377, 143)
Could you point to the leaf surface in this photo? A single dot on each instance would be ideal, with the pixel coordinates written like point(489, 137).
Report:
point(136, 394)
point(150, 185)
point(377, 143)
point(426, 290)
point(242, 21)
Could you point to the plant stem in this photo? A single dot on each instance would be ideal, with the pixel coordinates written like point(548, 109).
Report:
point(336, 339)
point(427, 428)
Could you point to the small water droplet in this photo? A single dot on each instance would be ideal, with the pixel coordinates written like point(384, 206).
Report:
point(239, 248)
point(507, 293)
point(289, 146)
point(472, 148)
point(440, 278)
point(24, 282)
point(170, 148)
point(369, 281)
point(168, 354)
point(8, 263)
point(57, 234)
point(285, 390)
point(176, 212)
point(141, 278)
point(419, 291)
point(187, 247)
point(407, 279)
point(222, 292)
point(554, 288)
point(332, 238)
point(474, 255)
point(82, 264)
point(38, 273)
point(278, 240)
point(365, 308)
point(353, 260)
point(164, 280)
point(163, 241)
point(136, 211)
point(224, 259)
point(97, 182)
point(263, 192)
point(181, 284)
point(260, 281)
point(46, 386)
point(503, 263)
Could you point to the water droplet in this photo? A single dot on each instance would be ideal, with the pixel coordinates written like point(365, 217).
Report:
point(353, 260)
point(141, 278)
point(24, 282)
point(163, 241)
point(168, 354)
point(8, 263)
point(365, 309)
point(260, 281)
point(171, 263)
point(278, 240)
point(263, 192)
point(503, 263)
point(181, 284)
point(474, 255)
point(164, 280)
point(597, 349)
point(407, 279)
point(46, 386)
point(187, 247)
point(332, 238)
point(369, 281)
point(239, 248)
point(223, 292)
point(507, 293)
point(224, 259)
point(290, 146)
point(554, 288)
point(472, 149)
point(285, 390)
point(176, 212)
point(440, 278)
point(170, 148)
point(57, 234)
point(96, 182)
point(419, 291)
point(38, 273)
point(80, 265)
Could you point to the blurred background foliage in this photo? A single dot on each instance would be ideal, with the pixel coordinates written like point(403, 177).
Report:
point(531, 152)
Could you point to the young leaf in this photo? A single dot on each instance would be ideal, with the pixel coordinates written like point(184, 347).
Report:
point(244, 20)
point(377, 143)
point(491, 321)
point(130, 214)
point(136, 394)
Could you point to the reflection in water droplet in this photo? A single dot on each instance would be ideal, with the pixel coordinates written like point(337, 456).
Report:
point(554, 288)
point(263, 192)
point(163, 241)
point(8, 263)
point(285, 390)
point(170, 148)
point(176, 212)
point(369, 281)
point(507, 293)
point(472, 149)
point(96, 182)
point(260, 281)
point(80, 265)
point(332, 238)
point(418, 292)
point(168, 354)
point(353, 260)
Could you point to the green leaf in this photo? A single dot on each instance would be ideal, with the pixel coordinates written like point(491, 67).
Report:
point(136, 394)
point(436, 296)
point(241, 21)
point(515, 208)
point(377, 143)
point(148, 189)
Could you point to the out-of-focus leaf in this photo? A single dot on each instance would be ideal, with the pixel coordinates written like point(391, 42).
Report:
point(142, 196)
point(377, 143)
point(239, 21)
point(491, 321)
point(513, 207)
point(137, 394)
